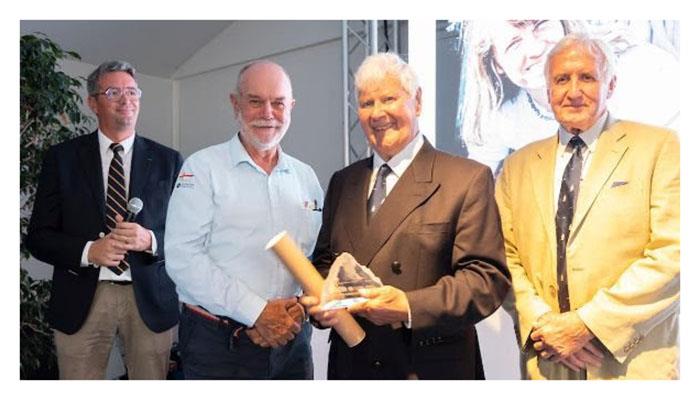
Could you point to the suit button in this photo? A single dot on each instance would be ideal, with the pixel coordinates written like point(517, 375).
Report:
point(396, 267)
point(377, 364)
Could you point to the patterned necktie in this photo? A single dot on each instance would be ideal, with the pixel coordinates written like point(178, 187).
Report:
point(565, 213)
point(376, 198)
point(116, 197)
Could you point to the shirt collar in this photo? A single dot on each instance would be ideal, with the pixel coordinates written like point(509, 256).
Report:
point(589, 136)
point(400, 162)
point(105, 142)
point(240, 155)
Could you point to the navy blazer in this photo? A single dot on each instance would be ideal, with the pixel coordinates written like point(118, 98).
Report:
point(69, 210)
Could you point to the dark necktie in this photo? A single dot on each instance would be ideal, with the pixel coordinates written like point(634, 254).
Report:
point(378, 191)
point(116, 197)
point(565, 213)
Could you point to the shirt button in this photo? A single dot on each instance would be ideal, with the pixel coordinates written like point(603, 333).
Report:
point(377, 364)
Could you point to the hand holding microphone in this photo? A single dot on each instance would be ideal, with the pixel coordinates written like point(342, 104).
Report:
point(133, 236)
point(110, 249)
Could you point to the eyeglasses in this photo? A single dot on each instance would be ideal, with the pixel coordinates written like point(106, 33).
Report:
point(114, 93)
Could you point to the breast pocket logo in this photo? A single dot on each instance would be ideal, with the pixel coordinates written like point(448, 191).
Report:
point(185, 181)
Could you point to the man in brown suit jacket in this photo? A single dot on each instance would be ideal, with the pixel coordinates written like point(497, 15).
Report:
point(429, 229)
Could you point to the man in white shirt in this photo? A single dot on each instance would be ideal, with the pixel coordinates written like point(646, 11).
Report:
point(241, 318)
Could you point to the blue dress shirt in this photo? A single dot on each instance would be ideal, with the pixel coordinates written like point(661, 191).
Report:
point(223, 211)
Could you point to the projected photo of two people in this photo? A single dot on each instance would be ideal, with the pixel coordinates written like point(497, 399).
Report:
point(503, 95)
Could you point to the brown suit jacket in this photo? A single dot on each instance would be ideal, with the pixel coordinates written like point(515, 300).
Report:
point(437, 237)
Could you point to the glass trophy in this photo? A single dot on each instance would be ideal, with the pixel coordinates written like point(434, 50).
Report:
point(345, 278)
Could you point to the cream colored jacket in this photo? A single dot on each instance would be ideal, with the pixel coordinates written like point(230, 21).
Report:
point(623, 252)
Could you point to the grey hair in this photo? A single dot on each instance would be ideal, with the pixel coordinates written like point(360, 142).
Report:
point(381, 65)
point(105, 68)
point(606, 57)
point(256, 62)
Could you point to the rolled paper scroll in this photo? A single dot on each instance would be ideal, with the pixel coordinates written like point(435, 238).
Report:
point(311, 281)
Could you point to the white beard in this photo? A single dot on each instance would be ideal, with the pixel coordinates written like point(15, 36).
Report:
point(255, 142)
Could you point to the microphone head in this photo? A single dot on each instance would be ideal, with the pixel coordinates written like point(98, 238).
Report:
point(135, 205)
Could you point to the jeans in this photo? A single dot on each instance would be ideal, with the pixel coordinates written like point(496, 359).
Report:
point(207, 352)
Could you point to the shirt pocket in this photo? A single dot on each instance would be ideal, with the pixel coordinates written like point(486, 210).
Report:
point(307, 227)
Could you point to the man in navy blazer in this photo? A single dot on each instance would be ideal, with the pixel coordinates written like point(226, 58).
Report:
point(70, 229)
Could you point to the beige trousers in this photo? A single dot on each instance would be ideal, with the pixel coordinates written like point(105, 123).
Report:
point(84, 354)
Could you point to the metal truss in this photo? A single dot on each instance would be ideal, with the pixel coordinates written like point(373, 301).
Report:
point(360, 39)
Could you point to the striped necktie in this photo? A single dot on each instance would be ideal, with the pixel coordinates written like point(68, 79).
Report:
point(116, 197)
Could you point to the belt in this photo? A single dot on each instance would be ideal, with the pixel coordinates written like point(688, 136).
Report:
point(202, 313)
point(232, 328)
point(119, 283)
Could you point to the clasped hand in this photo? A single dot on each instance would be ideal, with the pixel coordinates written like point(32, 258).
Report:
point(132, 235)
point(564, 338)
point(278, 323)
point(112, 248)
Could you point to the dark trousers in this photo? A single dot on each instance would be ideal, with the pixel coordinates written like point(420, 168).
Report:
point(208, 352)
point(387, 354)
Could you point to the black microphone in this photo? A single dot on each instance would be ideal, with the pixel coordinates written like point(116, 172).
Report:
point(133, 208)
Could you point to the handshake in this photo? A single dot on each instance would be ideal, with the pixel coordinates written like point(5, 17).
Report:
point(281, 319)
point(279, 322)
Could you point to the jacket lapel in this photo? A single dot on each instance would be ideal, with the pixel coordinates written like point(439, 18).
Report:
point(140, 167)
point(91, 164)
point(611, 147)
point(542, 173)
point(353, 206)
point(413, 188)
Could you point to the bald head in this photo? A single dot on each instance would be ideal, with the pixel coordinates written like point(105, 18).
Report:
point(262, 105)
point(263, 68)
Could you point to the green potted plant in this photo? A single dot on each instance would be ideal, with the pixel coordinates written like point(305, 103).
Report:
point(49, 113)
point(36, 352)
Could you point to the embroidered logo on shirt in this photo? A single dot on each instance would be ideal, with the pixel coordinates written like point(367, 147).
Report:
point(185, 181)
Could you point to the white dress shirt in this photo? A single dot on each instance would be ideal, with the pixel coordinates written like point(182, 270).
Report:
point(564, 154)
point(106, 155)
point(398, 164)
point(223, 211)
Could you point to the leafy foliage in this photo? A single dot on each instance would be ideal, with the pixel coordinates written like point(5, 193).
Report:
point(49, 112)
point(37, 355)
